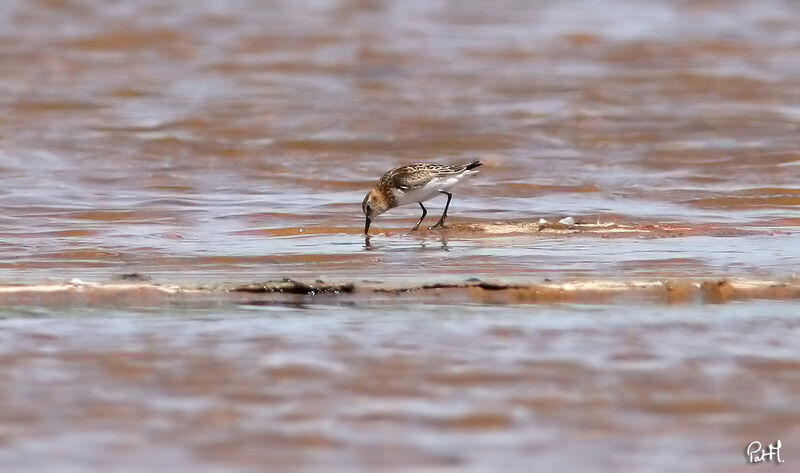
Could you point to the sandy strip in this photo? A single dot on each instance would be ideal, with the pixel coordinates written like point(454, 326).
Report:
point(80, 293)
point(590, 226)
point(602, 229)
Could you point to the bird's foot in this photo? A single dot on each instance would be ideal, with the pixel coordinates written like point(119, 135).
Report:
point(438, 225)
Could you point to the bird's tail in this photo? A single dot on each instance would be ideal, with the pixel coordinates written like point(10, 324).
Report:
point(472, 165)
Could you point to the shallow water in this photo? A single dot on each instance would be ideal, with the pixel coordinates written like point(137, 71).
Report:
point(196, 140)
point(384, 388)
point(234, 141)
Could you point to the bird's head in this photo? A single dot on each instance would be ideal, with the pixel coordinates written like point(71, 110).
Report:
point(374, 204)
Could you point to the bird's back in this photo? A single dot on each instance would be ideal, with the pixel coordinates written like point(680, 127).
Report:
point(418, 182)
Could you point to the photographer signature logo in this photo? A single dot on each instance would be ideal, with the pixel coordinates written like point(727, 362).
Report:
point(755, 454)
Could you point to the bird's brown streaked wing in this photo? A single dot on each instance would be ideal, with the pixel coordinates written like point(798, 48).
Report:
point(449, 169)
point(416, 175)
point(411, 177)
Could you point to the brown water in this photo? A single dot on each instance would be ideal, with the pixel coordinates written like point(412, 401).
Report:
point(202, 140)
point(381, 388)
point(218, 141)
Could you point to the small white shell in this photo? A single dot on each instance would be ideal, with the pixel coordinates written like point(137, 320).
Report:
point(568, 221)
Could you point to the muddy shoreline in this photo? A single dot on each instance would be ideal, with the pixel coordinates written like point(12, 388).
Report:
point(590, 226)
point(472, 290)
point(461, 286)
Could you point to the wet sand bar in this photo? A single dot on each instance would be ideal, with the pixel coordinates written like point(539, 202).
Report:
point(289, 291)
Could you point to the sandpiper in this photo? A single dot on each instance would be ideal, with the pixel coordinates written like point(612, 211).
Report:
point(415, 182)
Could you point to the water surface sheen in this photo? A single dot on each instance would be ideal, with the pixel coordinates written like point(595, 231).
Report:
point(210, 141)
point(384, 388)
point(215, 140)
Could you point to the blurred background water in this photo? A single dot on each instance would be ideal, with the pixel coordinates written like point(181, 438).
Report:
point(234, 140)
point(382, 387)
point(207, 139)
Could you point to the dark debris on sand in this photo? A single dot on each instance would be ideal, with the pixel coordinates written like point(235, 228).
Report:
point(290, 286)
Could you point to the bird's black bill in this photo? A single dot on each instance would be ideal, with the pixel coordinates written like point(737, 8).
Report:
point(366, 227)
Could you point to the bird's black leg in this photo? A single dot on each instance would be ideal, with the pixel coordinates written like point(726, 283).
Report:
point(424, 213)
point(440, 223)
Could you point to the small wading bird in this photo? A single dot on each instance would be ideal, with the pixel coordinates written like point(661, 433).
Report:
point(416, 182)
